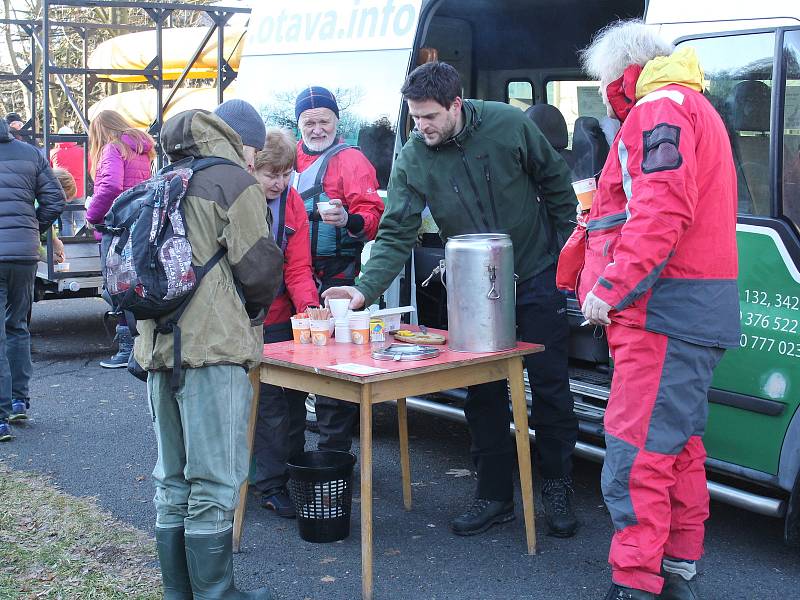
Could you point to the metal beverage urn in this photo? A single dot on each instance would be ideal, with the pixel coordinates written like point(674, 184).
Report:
point(481, 302)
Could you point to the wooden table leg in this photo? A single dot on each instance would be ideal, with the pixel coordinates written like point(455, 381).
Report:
point(520, 408)
point(238, 515)
point(366, 492)
point(405, 462)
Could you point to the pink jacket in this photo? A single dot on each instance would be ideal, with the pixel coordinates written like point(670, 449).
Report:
point(113, 176)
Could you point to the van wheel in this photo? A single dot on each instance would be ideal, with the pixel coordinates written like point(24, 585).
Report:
point(791, 531)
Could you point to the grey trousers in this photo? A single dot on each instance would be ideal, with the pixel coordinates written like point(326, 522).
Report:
point(203, 457)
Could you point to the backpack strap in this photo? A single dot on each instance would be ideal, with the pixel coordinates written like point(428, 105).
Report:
point(309, 182)
point(171, 324)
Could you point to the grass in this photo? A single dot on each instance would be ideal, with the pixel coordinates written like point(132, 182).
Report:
point(59, 547)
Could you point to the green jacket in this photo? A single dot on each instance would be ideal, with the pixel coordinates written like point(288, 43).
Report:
point(488, 178)
point(224, 207)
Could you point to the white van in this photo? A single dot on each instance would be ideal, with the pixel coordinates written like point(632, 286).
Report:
point(524, 52)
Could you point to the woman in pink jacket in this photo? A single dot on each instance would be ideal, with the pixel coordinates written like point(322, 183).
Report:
point(120, 157)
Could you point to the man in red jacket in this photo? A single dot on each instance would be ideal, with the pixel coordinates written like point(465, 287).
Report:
point(280, 430)
point(660, 273)
point(328, 170)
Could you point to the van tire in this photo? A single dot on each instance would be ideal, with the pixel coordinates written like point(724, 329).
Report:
point(791, 531)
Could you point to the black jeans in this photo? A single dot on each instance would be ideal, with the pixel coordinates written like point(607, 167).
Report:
point(542, 319)
point(280, 429)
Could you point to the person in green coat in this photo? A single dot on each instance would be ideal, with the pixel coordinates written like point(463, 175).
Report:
point(485, 167)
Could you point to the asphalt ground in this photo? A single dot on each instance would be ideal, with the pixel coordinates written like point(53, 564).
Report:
point(91, 432)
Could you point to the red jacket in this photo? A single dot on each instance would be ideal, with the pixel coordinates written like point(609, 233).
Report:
point(300, 290)
point(661, 246)
point(69, 156)
point(350, 177)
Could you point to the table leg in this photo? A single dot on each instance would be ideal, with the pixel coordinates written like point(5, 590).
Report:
point(405, 462)
point(520, 410)
point(366, 492)
point(238, 515)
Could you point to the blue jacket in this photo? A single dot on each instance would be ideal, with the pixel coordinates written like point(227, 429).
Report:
point(25, 178)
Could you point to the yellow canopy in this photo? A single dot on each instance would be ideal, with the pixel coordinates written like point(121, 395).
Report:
point(139, 106)
point(136, 50)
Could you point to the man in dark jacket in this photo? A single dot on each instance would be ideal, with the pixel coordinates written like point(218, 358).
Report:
point(25, 178)
point(201, 428)
point(479, 167)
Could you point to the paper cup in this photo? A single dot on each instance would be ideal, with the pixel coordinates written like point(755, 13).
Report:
point(301, 331)
point(342, 333)
point(359, 328)
point(338, 306)
point(584, 190)
point(324, 206)
point(320, 332)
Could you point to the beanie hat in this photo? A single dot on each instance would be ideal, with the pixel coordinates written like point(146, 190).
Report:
point(244, 120)
point(13, 117)
point(315, 97)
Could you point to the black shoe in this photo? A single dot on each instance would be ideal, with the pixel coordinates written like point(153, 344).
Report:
point(678, 588)
point(482, 515)
point(619, 592)
point(280, 502)
point(558, 511)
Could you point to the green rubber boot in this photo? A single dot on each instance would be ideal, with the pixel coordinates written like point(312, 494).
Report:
point(172, 556)
point(210, 560)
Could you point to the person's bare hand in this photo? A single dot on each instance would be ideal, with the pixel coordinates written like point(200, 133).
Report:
point(346, 291)
point(58, 251)
point(336, 215)
point(596, 310)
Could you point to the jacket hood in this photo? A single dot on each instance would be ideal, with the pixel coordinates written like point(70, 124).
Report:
point(5, 132)
point(681, 67)
point(133, 144)
point(199, 133)
point(473, 113)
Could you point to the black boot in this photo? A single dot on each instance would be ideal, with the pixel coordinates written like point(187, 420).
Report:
point(678, 588)
point(120, 359)
point(558, 511)
point(619, 592)
point(482, 515)
point(210, 560)
point(172, 556)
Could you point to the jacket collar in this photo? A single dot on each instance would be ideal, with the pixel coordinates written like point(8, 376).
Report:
point(681, 67)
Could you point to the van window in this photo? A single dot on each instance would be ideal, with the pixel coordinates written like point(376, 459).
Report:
point(575, 99)
point(738, 72)
point(520, 94)
point(791, 128)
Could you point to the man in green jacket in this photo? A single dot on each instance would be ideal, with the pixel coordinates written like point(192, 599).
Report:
point(201, 428)
point(485, 167)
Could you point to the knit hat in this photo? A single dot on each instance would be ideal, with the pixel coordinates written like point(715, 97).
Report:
point(244, 120)
point(315, 97)
point(13, 117)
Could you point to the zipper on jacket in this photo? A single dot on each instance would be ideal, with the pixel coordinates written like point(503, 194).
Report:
point(460, 196)
point(491, 194)
point(473, 186)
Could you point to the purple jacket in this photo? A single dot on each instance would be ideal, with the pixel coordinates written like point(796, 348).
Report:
point(114, 175)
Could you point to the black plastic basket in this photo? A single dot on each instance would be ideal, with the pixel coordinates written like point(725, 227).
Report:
point(321, 487)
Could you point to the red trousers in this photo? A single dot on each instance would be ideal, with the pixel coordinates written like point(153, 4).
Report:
point(654, 480)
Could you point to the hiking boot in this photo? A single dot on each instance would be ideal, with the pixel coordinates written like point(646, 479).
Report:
point(558, 511)
point(120, 359)
point(172, 557)
point(19, 410)
point(677, 587)
point(280, 502)
point(620, 592)
point(210, 562)
point(5, 432)
point(481, 515)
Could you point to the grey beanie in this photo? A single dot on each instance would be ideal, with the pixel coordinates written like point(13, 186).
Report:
point(244, 120)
